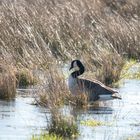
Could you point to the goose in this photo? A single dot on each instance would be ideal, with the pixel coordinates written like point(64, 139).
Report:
point(94, 90)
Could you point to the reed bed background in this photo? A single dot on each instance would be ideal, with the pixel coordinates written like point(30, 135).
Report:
point(43, 35)
point(32, 32)
point(100, 33)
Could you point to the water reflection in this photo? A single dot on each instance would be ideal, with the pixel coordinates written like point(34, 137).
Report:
point(101, 110)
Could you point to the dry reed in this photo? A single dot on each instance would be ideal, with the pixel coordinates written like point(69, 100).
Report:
point(7, 82)
point(32, 32)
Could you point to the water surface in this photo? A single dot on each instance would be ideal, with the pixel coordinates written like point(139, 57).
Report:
point(122, 118)
point(19, 119)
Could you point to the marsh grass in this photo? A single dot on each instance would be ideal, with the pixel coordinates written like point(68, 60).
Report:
point(131, 70)
point(110, 69)
point(56, 91)
point(64, 126)
point(64, 32)
point(7, 82)
point(78, 101)
point(54, 96)
point(25, 78)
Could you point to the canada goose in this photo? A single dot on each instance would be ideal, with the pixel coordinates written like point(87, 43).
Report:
point(94, 90)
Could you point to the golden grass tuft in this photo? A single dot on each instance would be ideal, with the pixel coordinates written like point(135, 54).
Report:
point(62, 125)
point(25, 78)
point(7, 82)
point(110, 69)
point(55, 91)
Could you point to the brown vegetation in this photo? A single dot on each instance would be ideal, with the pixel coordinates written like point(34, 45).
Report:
point(7, 82)
point(25, 78)
point(55, 91)
point(32, 32)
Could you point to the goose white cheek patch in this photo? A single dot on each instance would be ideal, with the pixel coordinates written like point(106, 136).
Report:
point(74, 69)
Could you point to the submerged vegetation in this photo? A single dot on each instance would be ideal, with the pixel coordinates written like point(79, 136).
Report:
point(46, 137)
point(42, 35)
point(92, 123)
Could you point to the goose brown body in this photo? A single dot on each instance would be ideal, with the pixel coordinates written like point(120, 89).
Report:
point(95, 90)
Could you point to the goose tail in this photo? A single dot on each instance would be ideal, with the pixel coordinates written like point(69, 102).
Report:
point(109, 97)
point(116, 96)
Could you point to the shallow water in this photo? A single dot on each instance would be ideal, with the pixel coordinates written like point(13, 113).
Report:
point(19, 119)
point(122, 118)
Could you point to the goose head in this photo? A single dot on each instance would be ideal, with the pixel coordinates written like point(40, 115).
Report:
point(76, 68)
